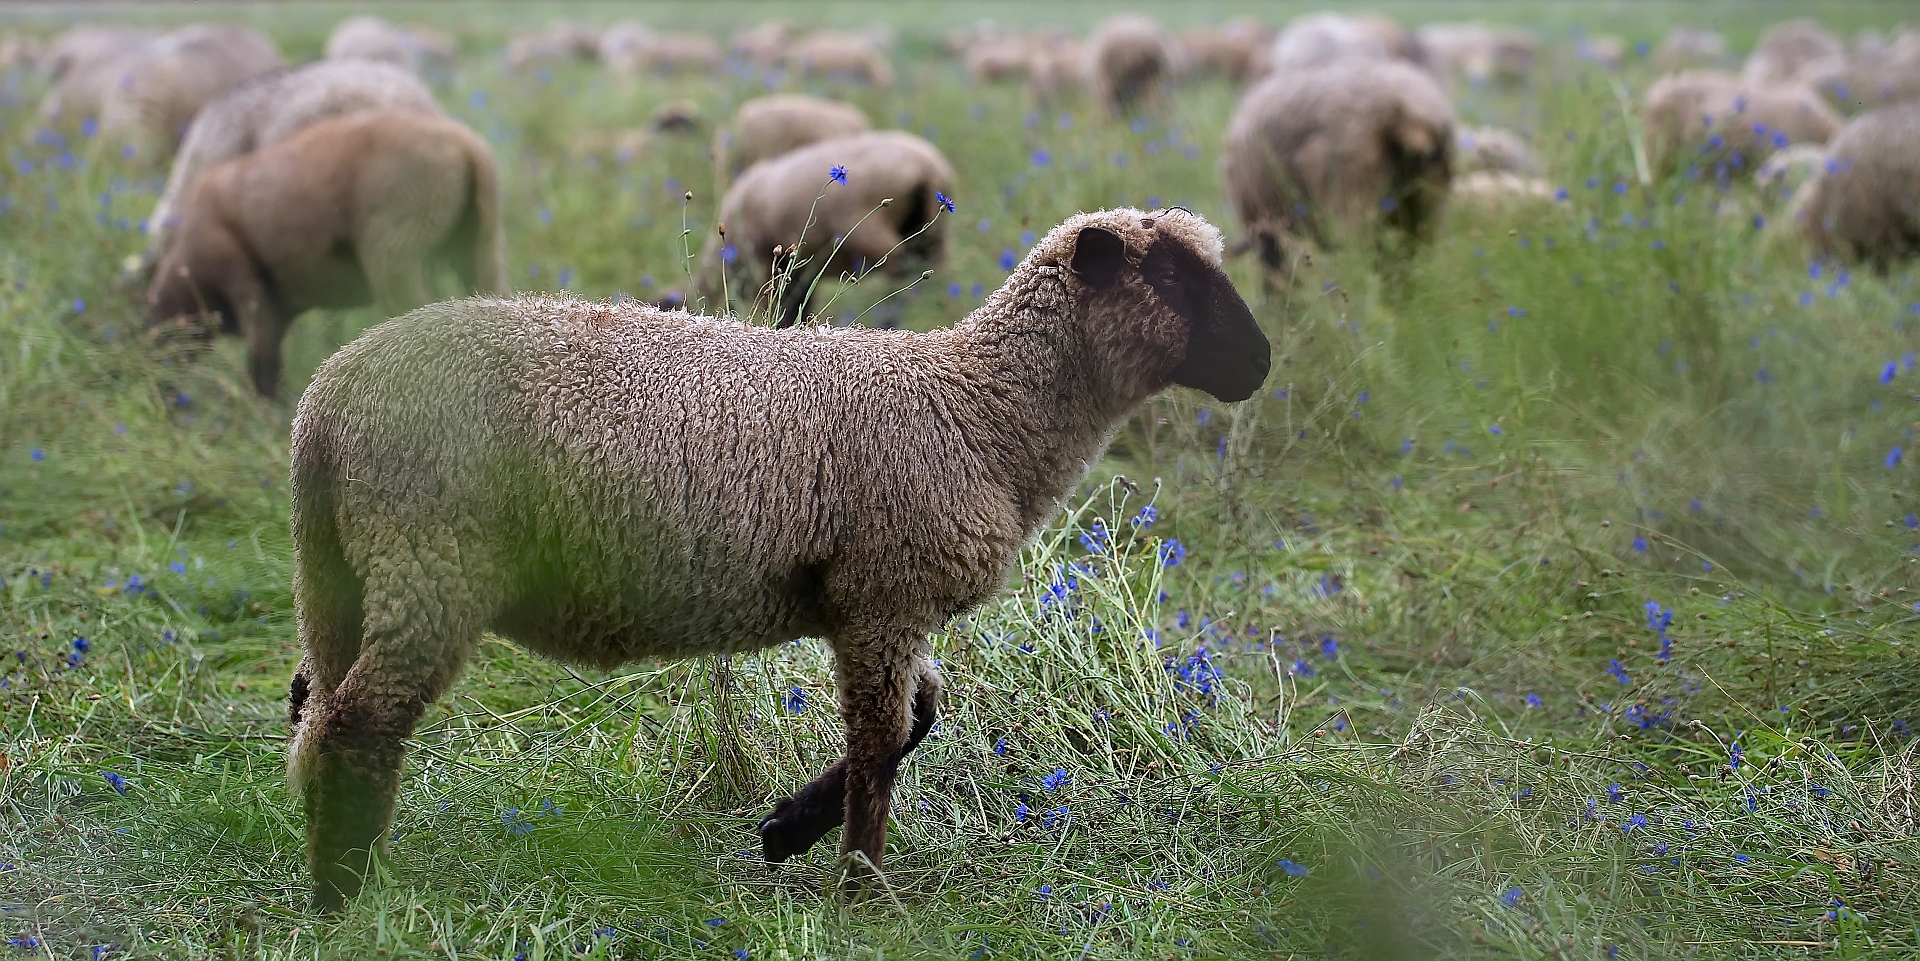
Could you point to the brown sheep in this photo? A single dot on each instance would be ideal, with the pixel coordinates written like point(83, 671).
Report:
point(1240, 50)
point(853, 57)
point(159, 95)
point(1127, 60)
point(1690, 47)
point(1320, 153)
point(604, 483)
point(1493, 149)
point(347, 211)
point(1796, 51)
point(769, 126)
point(365, 37)
point(1715, 119)
point(1864, 204)
point(771, 204)
point(266, 110)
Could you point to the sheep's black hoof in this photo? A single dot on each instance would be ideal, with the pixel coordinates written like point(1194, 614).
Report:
point(794, 826)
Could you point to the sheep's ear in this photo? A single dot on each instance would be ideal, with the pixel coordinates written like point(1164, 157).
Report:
point(1099, 255)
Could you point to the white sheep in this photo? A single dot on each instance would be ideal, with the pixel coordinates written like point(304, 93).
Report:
point(609, 482)
point(1796, 51)
point(849, 57)
point(1864, 203)
point(1713, 119)
point(1687, 47)
point(1127, 60)
point(151, 105)
point(1493, 149)
point(769, 126)
point(417, 49)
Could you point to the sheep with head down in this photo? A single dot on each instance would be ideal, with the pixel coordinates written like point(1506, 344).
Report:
point(769, 126)
point(1318, 39)
point(604, 482)
point(1127, 60)
point(838, 206)
point(1238, 50)
point(846, 57)
point(1687, 47)
point(267, 110)
point(1493, 150)
point(1726, 125)
point(1321, 154)
point(1863, 204)
point(1796, 52)
point(159, 96)
point(83, 64)
point(420, 50)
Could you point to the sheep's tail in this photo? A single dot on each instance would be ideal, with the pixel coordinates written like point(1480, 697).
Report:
point(489, 237)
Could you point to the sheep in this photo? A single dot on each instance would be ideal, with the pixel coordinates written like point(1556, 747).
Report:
point(84, 64)
point(1690, 47)
point(1499, 191)
point(159, 95)
point(1126, 60)
point(1240, 50)
point(1054, 68)
point(347, 210)
point(1319, 39)
point(766, 216)
point(18, 51)
point(622, 47)
point(1721, 120)
point(1887, 74)
point(1605, 51)
point(608, 482)
point(763, 43)
point(1477, 52)
point(556, 43)
point(854, 57)
point(1864, 203)
point(1493, 149)
point(631, 48)
point(997, 58)
point(1321, 152)
point(267, 110)
point(417, 49)
point(1796, 51)
point(769, 126)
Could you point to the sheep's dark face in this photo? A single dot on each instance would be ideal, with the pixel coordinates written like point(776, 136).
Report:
point(1220, 346)
point(179, 310)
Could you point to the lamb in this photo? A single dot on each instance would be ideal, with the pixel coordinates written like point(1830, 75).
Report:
point(1864, 204)
point(1690, 47)
point(855, 57)
point(1319, 153)
point(1796, 51)
point(769, 126)
point(1718, 119)
point(151, 105)
point(417, 49)
point(608, 482)
point(1126, 61)
point(345, 211)
point(268, 110)
point(1239, 51)
point(1493, 149)
point(766, 218)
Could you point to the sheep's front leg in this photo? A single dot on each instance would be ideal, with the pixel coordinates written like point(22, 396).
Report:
point(799, 822)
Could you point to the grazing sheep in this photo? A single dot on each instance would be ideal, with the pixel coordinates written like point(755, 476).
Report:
point(996, 58)
point(1127, 60)
point(1240, 50)
point(1319, 39)
point(630, 48)
point(84, 64)
point(345, 211)
point(159, 95)
point(769, 126)
point(1319, 153)
point(1690, 47)
point(1492, 149)
point(1722, 123)
point(853, 57)
point(1864, 204)
point(18, 51)
point(417, 49)
point(609, 482)
point(267, 110)
point(1796, 51)
point(676, 117)
point(1885, 75)
point(1499, 190)
point(769, 207)
point(763, 43)
point(1606, 51)
point(622, 47)
point(1479, 53)
point(556, 43)
point(1054, 68)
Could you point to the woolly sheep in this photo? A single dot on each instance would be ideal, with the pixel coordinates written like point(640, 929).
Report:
point(770, 205)
point(83, 62)
point(1240, 50)
point(556, 43)
point(1796, 51)
point(763, 43)
point(1605, 51)
point(1479, 53)
point(267, 110)
point(151, 105)
point(855, 57)
point(1319, 39)
point(1716, 119)
point(1126, 60)
point(18, 51)
point(1316, 153)
point(1864, 204)
point(609, 482)
point(1493, 149)
point(622, 46)
point(367, 37)
point(1054, 68)
point(1688, 47)
point(769, 126)
point(996, 58)
point(1885, 75)
point(631, 48)
point(345, 211)
point(1499, 190)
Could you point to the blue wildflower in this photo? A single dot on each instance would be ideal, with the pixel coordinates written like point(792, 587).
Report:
point(1616, 794)
point(838, 174)
point(796, 700)
point(1042, 158)
point(1634, 821)
point(1533, 700)
point(945, 202)
point(1007, 259)
point(1146, 517)
point(1293, 869)
point(1893, 457)
point(118, 783)
point(1619, 673)
point(1639, 545)
point(1512, 897)
point(1172, 553)
point(1735, 756)
point(1058, 779)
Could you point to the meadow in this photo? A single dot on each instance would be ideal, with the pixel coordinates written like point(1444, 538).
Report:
point(1554, 600)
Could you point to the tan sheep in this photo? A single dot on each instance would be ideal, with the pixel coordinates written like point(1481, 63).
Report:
point(159, 95)
point(84, 64)
point(1796, 51)
point(770, 206)
point(631, 48)
point(769, 126)
point(1690, 47)
point(1712, 119)
point(622, 47)
point(1127, 60)
point(1886, 75)
point(851, 57)
point(998, 58)
point(605, 483)
point(1477, 53)
point(1605, 51)
point(346, 211)
point(1320, 154)
point(764, 43)
point(1239, 50)
point(19, 51)
point(1864, 204)
point(1054, 68)
point(1499, 191)
point(1319, 39)
point(417, 49)
point(267, 110)
point(558, 42)
point(1493, 149)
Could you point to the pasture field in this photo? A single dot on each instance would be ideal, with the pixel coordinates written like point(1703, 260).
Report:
point(1557, 601)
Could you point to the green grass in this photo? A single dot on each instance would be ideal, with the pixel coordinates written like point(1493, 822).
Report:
point(1429, 680)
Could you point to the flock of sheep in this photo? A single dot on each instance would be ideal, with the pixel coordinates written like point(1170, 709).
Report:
point(608, 481)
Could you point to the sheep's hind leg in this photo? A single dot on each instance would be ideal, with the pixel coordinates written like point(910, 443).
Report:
point(799, 822)
point(421, 624)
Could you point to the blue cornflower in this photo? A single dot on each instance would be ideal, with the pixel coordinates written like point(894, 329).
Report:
point(1042, 157)
point(796, 700)
point(1302, 668)
point(1560, 193)
point(1887, 372)
point(1000, 746)
point(1616, 794)
point(38, 455)
point(1494, 429)
point(79, 306)
point(1735, 756)
point(716, 922)
point(1146, 517)
point(742, 954)
point(1512, 897)
point(118, 783)
point(1619, 672)
point(838, 174)
point(1635, 821)
point(1294, 870)
point(1912, 521)
point(550, 809)
point(1329, 648)
point(1516, 311)
point(178, 567)
point(1172, 553)
point(1053, 782)
point(1020, 813)
point(1054, 819)
point(1659, 618)
point(1893, 457)
point(1533, 700)
point(1639, 545)
point(945, 202)
point(1007, 259)
point(81, 644)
